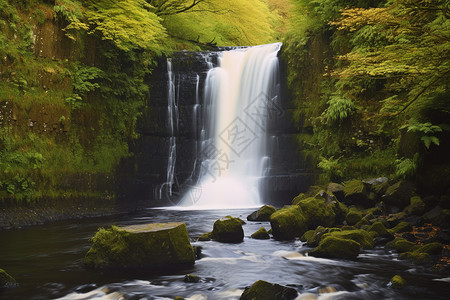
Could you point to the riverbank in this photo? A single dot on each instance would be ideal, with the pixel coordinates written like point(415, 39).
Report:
point(56, 209)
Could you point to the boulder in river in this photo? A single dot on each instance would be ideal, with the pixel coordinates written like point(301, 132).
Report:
point(6, 280)
point(262, 214)
point(263, 290)
point(288, 223)
point(141, 246)
point(336, 247)
point(360, 236)
point(261, 234)
point(228, 230)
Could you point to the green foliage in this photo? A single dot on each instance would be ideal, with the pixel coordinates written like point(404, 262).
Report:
point(84, 79)
point(406, 167)
point(331, 168)
point(428, 130)
point(339, 109)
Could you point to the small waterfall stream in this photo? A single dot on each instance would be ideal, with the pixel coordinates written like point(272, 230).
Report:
point(240, 96)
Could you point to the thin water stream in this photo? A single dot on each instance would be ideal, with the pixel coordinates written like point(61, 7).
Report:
point(47, 261)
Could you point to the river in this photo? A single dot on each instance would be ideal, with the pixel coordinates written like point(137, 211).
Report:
point(47, 261)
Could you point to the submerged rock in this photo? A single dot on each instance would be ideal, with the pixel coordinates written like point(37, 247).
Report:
point(263, 290)
point(191, 278)
point(141, 246)
point(205, 237)
point(288, 223)
point(397, 282)
point(6, 280)
point(262, 214)
point(228, 230)
point(261, 234)
point(336, 247)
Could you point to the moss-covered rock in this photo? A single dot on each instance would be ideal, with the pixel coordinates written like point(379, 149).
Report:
point(336, 247)
point(416, 257)
point(6, 280)
point(312, 237)
point(189, 278)
point(401, 227)
point(262, 214)
point(228, 230)
point(263, 290)
point(360, 236)
point(288, 223)
point(379, 228)
point(431, 248)
point(399, 194)
point(141, 246)
point(205, 237)
point(318, 211)
point(337, 190)
point(444, 218)
point(353, 216)
point(402, 245)
point(416, 206)
point(397, 282)
point(298, 198)
point(261, 234)
point(356, 194)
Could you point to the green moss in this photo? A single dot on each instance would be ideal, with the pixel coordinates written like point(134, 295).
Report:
point(398, 282)
point(228, 230)
point(141, 246)
point(416, 258)
point(402, 245)
point(262, 214)
point(336, 247)
point(401, 227)
point(353, 187)
point(191, 278)
point(261, 234)
point(312, 237)
point(416, 207)
point(288, 223)
point(360, 236)
point(353, 216)
point(431, 248)
point(298, 198)
point(6, 281)
point(379, 228)
point(205, 237)
point(318, 212)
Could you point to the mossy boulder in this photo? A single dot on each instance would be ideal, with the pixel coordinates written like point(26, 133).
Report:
point(353, 216)
point(261, 234)
point(141, 246)
point(6, 280)
point(399, 194)
point(263, 290)
point(431, 248)
point(336, 247)
point(318, 211)
point(401, 227)
point(228, 230)
point(288, 223)
point(416, 206)
point(416, 258)
point(337, 190)
point(356, 194)
point(379, 228)
point(189, 278)
point(360, 236)
point(298, 198)
point(205, 237)
point(312, 237)
point(402, 245)
point(262, 214)
point(397, 282)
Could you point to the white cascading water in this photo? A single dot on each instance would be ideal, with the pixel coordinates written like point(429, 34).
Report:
point(240, 96)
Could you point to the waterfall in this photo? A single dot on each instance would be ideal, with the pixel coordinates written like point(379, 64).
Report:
point(240, 97)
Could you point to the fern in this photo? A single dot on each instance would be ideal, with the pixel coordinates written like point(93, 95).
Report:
point(339, 109)
point(428, 130)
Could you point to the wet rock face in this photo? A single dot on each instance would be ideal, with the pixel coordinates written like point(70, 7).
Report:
point(152, 246)
point(143, 176)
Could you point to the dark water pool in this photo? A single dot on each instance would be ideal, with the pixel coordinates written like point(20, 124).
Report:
point(47, 263)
